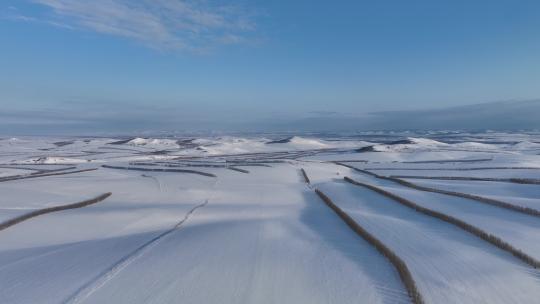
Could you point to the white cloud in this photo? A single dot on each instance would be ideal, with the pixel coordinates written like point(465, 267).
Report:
point(161, 24)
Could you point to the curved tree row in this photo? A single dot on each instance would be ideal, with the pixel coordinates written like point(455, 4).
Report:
point(528, 181)
point(397, 262)
point(494, 240)
point(478, 198)
point(35, 213)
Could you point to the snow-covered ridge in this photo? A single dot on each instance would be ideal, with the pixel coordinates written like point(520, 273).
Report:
point(154, 142)
point(425, 142)
point(313, 143)
point(411, 143)
point(422, 144)
point(526, 145)
point(238, 145)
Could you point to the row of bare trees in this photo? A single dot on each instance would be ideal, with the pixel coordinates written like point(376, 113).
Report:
point(238, 169)
point(24, 217)
point(397, 262)
point(39, 174)
point(494, 240)
point(304, 174)
point(160, 170)
point(478, 198)
point(400, 266)
point(527, 181)
point(482, 199)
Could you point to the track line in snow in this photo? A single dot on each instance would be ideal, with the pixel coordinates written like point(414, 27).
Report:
point(156, 180)
point(90, 287)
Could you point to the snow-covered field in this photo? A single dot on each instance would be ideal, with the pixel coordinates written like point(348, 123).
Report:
point(231, 219)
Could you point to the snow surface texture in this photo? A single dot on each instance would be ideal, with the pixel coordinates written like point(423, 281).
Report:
point(260, 234)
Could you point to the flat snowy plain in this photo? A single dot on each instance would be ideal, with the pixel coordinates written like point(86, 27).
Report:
point(232, 219)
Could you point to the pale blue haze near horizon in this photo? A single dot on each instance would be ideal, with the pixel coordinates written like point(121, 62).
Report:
point(228, 59)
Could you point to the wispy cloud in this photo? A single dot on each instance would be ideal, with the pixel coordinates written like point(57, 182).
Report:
point(194, 25)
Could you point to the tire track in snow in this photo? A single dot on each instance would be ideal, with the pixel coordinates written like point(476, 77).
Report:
point(156, 180)
point(99, 281)
point(88, 289)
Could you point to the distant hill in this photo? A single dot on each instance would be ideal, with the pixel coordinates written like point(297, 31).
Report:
point(520, 115)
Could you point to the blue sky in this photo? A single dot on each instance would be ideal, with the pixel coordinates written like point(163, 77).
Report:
point(212, 60)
